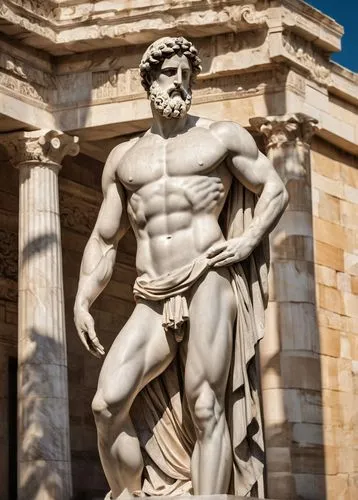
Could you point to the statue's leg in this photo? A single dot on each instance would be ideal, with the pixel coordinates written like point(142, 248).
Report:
point(212, 315)
point(141, 351)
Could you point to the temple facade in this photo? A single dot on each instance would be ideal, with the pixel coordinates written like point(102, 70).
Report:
point(69, 92)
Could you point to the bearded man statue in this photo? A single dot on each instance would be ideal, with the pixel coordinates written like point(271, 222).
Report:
point(177, 408)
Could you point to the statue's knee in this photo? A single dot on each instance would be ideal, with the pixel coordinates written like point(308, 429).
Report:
point(100, 407)
point(110, 403)
point(206, 410)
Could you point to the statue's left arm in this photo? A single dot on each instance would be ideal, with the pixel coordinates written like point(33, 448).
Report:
point(250, 167)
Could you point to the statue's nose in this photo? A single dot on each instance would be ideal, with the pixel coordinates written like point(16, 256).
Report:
point(178, 80)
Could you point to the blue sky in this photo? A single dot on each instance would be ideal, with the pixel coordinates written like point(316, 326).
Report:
point(345, 12)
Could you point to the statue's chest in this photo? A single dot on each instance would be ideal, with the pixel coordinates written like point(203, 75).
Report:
point(194, 153)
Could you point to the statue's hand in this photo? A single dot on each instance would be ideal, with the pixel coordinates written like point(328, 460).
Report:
point(85, 329)
point(229, 252)
point(203, 192)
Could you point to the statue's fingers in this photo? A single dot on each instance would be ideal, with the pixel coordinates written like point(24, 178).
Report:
point(91, 331)
point(92, 347)
point(226, 262)
point(99, 347)
point(209, 187)
point(204, 202)
point(211, 205)
point(195, 182)
point(219, 258)
point(216, 249)
point(94, 343)
point(83, 336)
point(207, 184)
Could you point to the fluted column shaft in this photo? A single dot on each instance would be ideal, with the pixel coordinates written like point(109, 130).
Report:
point(44, 466)
point(289, 352)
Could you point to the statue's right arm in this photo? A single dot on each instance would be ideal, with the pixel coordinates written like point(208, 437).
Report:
point(100, 252)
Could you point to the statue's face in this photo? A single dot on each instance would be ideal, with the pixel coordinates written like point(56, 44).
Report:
point(170, 91)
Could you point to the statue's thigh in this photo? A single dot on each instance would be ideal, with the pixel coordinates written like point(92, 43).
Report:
point(140, 352)
point(212, 315)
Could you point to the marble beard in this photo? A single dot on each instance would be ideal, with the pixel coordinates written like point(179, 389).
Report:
point(170, 107)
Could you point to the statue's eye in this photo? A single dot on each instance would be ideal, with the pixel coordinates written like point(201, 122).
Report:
point(169, 71)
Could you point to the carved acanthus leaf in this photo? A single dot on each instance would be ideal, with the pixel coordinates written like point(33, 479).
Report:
point(287, 140)
point(297, 128)
point(45, 147)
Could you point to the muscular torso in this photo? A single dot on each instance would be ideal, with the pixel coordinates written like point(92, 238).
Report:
point(156, 172)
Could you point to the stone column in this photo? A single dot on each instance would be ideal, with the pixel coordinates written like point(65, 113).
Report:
point(290, 365)
point(44, 467)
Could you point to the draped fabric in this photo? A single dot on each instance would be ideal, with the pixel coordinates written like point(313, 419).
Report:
point(160, 412)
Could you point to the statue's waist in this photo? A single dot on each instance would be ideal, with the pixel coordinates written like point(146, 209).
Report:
point(171, 288)
point(156, 256)
point(175, 282)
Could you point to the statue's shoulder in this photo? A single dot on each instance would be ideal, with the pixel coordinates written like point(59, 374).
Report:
point(234, 136)
point(114, 158)
point(120, 150)
point(226, 131)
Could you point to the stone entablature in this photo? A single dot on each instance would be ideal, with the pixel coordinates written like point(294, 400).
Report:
point(86, 92)
point(71, 26)
point(273, 56)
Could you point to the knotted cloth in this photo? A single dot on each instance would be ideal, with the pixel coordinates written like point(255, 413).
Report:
point(171, 288)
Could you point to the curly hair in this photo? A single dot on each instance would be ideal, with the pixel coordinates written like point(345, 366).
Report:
point(164, 48)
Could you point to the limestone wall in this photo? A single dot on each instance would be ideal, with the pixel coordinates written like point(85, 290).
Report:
point(335, 213)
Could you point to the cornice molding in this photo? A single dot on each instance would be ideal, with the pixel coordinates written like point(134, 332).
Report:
point(72, 23)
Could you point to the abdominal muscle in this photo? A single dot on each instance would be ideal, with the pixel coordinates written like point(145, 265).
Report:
point(169, 232)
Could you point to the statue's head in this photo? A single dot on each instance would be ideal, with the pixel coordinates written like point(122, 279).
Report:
point(168, 69)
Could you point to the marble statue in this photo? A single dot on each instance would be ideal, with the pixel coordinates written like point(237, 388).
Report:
point(177, 409)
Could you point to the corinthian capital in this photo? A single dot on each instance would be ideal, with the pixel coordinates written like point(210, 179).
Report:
point(40, 147)
point(293, 129)
point(287, 139)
